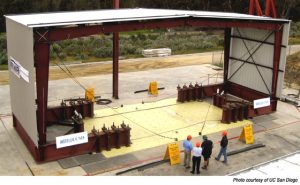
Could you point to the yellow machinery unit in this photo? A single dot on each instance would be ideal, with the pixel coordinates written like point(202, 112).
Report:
point(90, 94)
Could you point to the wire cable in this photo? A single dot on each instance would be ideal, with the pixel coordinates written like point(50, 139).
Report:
point(205, 120)
point(70, 76)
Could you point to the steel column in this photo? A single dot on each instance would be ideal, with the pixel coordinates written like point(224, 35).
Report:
point(268, 5)
point(251, 7)
point(254, 6)
point(115, 58)
point(116, 65)
point(227, 40)
point(276, 60)
point(41, 51)
point(116, 4)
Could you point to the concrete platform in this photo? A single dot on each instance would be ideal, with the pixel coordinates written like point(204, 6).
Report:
point(161, 122)
point(278, 131)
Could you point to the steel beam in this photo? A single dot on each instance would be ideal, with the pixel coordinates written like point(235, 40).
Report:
point(276, 60)
point(245, 92)
point(41, 51)
point(240, 24)
point(227, 40)
point(56, 34)
point(255, 40)
point(263, 66)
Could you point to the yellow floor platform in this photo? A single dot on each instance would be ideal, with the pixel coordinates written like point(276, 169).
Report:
point(159, 123)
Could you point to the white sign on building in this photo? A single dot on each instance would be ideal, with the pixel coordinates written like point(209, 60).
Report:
point(18, 70)
point(261, 103)
point(71, 139)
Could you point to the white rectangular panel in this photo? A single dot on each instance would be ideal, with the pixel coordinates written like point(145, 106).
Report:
point(71, 139)
point(264, 102)
point(22, 89)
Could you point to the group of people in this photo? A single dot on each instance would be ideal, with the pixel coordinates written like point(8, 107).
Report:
point(205, 150)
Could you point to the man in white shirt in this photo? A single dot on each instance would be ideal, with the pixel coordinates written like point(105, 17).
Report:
point(196, 152)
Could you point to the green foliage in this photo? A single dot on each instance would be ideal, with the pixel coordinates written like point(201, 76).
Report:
point(3, 51)
point(292, 71)
point(3, 58)
point(295, 29)
point(131, 44)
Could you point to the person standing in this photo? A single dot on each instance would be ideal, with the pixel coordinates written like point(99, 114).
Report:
point(197, 152)
point(223, 149)
point(187, 145)
point(206, 146)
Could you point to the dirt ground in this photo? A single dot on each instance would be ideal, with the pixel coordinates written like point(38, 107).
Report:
point(129, 65)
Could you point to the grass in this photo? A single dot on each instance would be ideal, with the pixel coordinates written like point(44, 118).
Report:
point(294, 40)
point(3, 67)
point(292, 70)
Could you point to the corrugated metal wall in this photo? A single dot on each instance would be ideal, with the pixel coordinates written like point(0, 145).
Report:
point(250, 75)
point(22, 93)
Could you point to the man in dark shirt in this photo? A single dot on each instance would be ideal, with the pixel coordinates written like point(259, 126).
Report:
point(206, 146)
point(224, 143)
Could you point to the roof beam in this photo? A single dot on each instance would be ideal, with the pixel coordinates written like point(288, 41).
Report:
point(56, 34)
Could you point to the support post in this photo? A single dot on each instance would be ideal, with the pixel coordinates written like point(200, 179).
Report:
point(41, 51)
point(116, 58)
point(270, 6)
point(251, 7)
point(116, 65)
point(227, 38)
point(276, 61)
point(254, 6)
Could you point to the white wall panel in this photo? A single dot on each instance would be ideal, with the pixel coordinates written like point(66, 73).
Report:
point(22, 93)
point(248, 75)
point(285, 39)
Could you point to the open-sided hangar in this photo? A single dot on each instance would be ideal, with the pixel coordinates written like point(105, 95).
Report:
point(254, 60)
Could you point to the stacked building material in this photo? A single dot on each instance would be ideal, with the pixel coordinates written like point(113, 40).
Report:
point(161, 52)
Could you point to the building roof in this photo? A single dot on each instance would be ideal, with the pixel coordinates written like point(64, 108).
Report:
point(119, 15)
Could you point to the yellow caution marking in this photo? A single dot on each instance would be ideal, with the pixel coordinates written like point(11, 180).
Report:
point(173, 153)
point(247, 134)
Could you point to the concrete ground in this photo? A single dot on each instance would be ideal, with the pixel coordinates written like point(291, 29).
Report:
point(278, 131)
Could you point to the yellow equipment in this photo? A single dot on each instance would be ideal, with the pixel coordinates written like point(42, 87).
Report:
point(153, 88)
point(89, 94)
